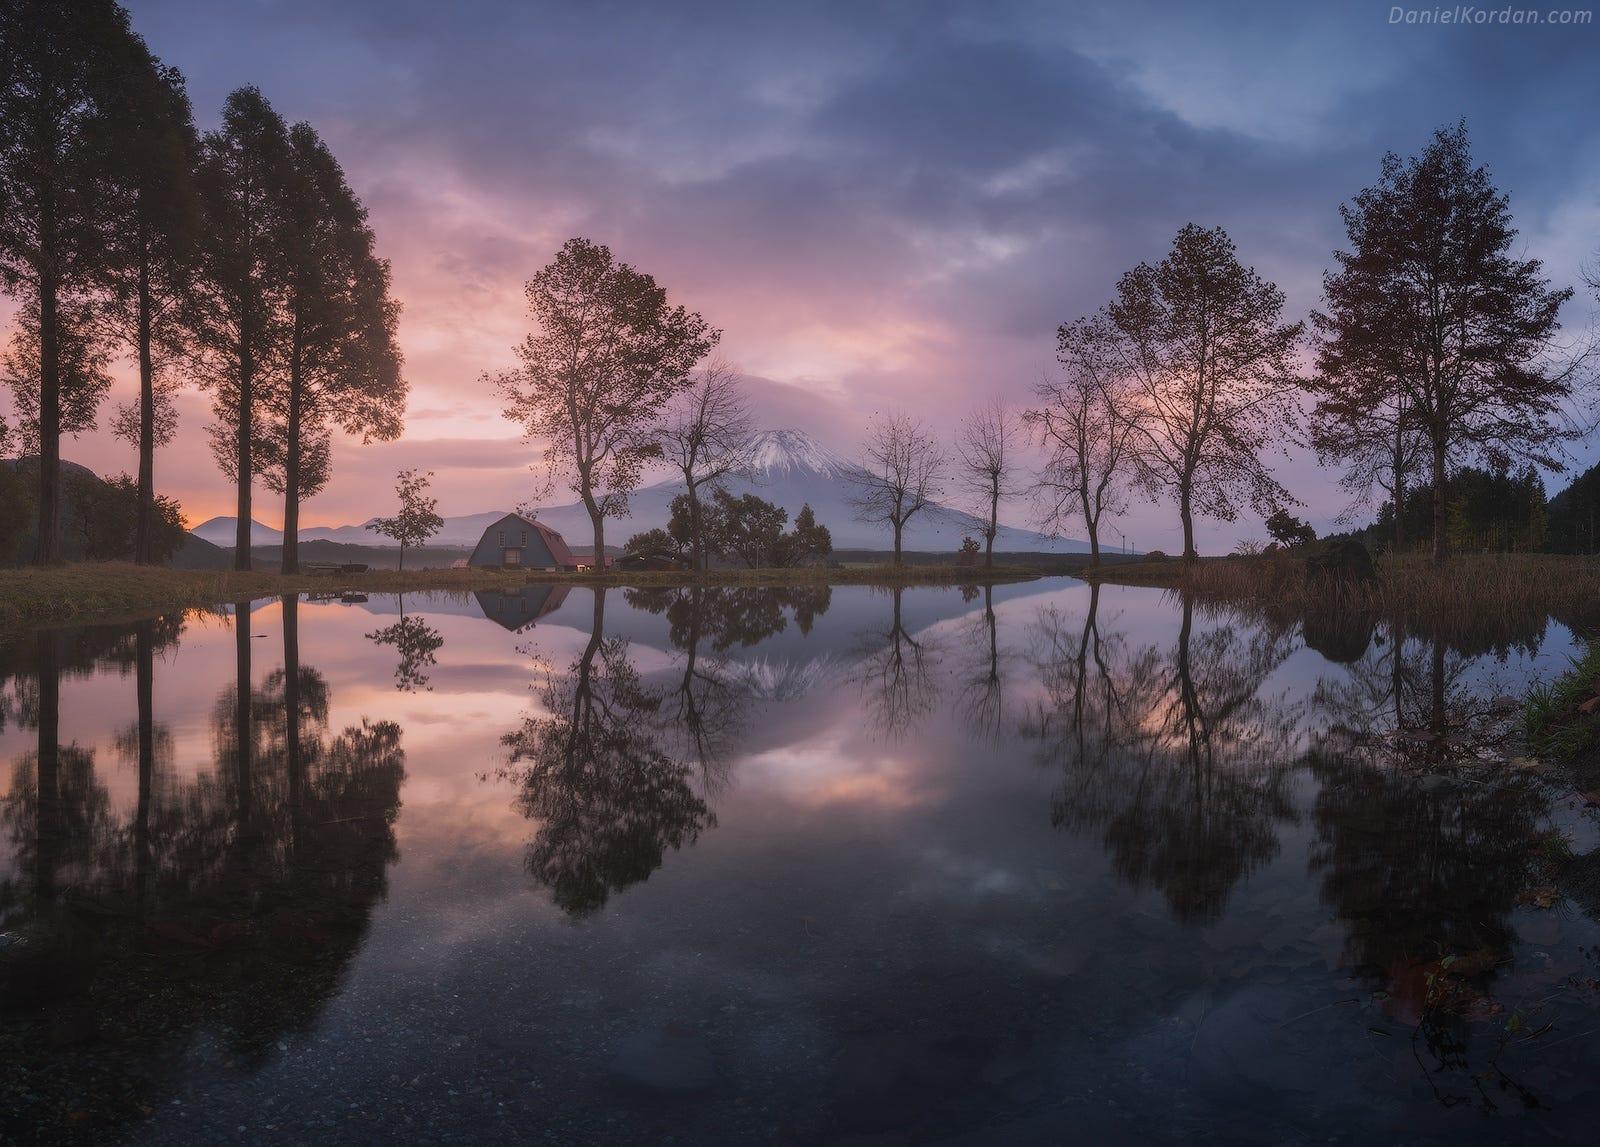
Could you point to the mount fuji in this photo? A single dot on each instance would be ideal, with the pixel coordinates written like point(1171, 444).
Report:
point(787, 467)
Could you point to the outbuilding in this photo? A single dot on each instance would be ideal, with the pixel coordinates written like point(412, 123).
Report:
point(515, 541)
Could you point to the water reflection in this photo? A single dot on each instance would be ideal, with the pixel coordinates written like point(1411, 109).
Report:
point(417, 645)
point(907, 832)
point(983, 675)
point(228, 899)
point(896, 674)
point(1424, 874)
point(1417, 701)
point(595, 771)
point(1177, 757)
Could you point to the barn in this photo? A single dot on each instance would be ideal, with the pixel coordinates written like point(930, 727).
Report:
point(517, 611)
point(515, 541)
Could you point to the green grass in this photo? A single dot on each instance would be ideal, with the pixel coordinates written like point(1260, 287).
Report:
point(1552, 721)
point(108, 591)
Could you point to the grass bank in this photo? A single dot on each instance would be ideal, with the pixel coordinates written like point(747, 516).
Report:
point(1563, 716)
point(1468, 586)
point(108, 591)
point(877, 574)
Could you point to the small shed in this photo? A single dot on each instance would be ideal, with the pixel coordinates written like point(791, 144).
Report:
point(515, 541)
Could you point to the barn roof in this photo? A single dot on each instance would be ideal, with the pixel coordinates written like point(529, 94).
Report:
point(558, 545)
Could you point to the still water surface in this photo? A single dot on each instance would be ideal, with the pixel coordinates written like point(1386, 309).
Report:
point(1045, 864)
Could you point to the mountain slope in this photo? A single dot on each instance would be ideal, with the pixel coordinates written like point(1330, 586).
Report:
point(789, 468)
point(793, 469)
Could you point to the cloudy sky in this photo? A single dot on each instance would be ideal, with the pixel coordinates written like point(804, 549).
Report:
point(883, 205)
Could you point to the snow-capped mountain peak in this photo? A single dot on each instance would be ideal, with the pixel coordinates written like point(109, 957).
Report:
point(782, 453)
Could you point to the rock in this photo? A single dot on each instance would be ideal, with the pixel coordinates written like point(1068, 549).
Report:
point(1343, 560)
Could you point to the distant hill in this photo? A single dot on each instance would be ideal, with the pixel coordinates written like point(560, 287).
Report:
point(198, 554)
point(459, 533)
point(789, 468)
point(195, 553)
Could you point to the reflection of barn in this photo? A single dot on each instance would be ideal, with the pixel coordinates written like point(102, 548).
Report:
point(518, 609)
point(518, 541)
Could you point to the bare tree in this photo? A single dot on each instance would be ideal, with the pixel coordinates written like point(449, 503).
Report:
point(1211, 374)
point(608, 355)
point(707, 436)
point(1083, 422)
point(986, 463)
point(903, 474)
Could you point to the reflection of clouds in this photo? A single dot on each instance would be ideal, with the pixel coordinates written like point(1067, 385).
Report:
point(832, 767)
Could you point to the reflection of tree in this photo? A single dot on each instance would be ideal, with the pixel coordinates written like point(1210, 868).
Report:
point(983, 705)
point(725, 616)
point(896, 675)
point(416, 642)
point(1413, 702)
point(232, 899)
point(609, 798)
point(705, 708)
point(1424, 876)
point(1175, 757)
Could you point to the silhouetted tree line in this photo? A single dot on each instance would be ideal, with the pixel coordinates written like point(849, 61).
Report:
point(746, 529)
point(239, 260)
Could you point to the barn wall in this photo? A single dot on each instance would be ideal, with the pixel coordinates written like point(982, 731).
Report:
point(488, 552)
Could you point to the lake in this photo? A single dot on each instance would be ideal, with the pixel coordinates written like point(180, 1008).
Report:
point(1042, 863)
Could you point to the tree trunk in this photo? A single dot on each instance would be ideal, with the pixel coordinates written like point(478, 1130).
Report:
point(1441, 550)
point(1091, 520)
point(697, 545)
point(143, 527)
point(1399, 492)
point(48, 550)
point(897, 528)
point(291, 455)
point(1186, 512)
point(402, 556)
point(994, 525)
point(598, 563)
point(242, 460)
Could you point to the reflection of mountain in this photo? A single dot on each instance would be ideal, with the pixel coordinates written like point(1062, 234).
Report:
point(790, 468)
point(773, 679)
point(228, 902)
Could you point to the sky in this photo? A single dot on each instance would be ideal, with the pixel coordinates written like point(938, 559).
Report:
point(883, 206)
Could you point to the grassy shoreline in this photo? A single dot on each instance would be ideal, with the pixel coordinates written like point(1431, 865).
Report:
point(1468, 585)
point(82, 592)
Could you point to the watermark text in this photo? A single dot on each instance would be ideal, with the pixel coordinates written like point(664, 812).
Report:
point(1507, 16)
